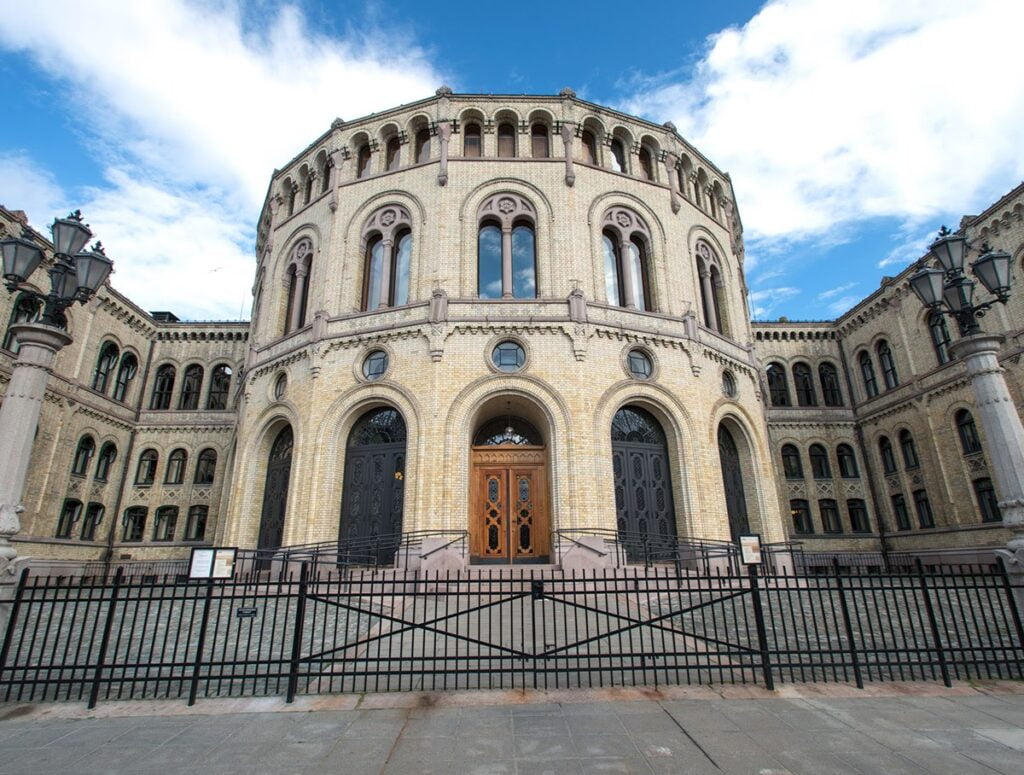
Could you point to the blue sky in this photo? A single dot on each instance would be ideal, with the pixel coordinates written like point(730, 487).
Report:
point(849, 134)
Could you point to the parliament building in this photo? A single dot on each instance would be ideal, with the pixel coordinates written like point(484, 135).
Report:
point(523, 317)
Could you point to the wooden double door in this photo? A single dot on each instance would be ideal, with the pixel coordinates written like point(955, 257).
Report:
point(509, 517)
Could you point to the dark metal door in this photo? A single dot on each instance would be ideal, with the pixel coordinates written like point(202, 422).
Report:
point(275, 491)
point(732, 480)
point(643, 485)
point(373, 489)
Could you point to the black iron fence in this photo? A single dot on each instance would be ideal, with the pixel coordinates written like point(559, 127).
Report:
point(304, 631)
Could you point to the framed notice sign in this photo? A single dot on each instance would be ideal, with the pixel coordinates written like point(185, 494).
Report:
point(217, 563)
point(750, 549)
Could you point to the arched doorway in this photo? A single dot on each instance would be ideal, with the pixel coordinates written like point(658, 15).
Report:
point(509, 520)
point(275, 490)
point(644, 508)
point(374, 485)
point(732, 481)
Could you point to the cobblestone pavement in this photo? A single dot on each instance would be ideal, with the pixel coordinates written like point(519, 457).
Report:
point(909, 728)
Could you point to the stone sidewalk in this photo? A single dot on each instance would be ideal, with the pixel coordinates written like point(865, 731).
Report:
point(802, 730)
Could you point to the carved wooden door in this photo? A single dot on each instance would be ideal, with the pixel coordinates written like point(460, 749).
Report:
point(732, 481)
point(275, 491)
point(508, 506)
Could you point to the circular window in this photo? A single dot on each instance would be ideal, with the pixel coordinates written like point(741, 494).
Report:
point(728, 384)
point(508, 356)
point(280, 386)
point(375, 365)
point(639, 364)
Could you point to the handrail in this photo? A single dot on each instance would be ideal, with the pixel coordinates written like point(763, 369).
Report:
point(461, 537)
point(561, 534)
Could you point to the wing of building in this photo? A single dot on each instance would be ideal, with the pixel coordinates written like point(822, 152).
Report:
point(523, 317)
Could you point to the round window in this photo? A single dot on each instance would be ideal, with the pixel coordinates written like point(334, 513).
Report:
point(508, 356)
point(640, 365)
point(728, 384)
point(280, 386)
point(375, 365)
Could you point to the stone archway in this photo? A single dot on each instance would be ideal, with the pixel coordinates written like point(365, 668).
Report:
point(732, 482)
point(275, 490)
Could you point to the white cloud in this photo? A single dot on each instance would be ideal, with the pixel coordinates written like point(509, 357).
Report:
point(841, 305)
point(832, 292)
point(24, 185)
point(764, 301)
point(829, 113)
point(192, 107)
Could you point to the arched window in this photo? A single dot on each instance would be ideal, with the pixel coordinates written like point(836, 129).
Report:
point(888, 458)
point(804, 384)
point(888, 365)
point(26, 310)
point(388, 235)
point(93, 518)
point(540, 145)
point(363, 161)
point(163, 387)
point(899, 511)
point(125, 374)
point(471, 141)
point(220, 384)
point(506, 249)
point(711, 286)
point(588, 146)
point(104, 366)
point(968, 432)
point(858, 512)
point(391, 154)
point(176, 463)
point(646, 163)
point(290, 189)
point(988, 503)
point(307, 188)
point(847, 462)
point(867, 373)
point(626, 239)
point(164, 522)
point(830, 392)
point(83, 456)
point(940, 336)
point(791, 463)
point(618, 155)
point(778, 387)
point(423, 146)
point(206, 467)
point(820, 467)
point(134, 523)
point(108, 454)
point(909, 450)
point(923, 507)
point(191, 385)
point(69, 515)
point(831, 522)
point(195, 527)
point(324, 172)
point(506, 140)
point(146, 471)
point(300, 266)
point(800, 510)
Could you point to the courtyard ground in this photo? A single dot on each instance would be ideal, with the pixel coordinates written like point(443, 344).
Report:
point(802, 729)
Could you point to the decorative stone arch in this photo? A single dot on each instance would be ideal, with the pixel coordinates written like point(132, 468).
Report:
point(507, 208)
point(625, 135)
point(653, 147)
point(356, 142)
point(418, 123)
point(629, 227)
point(387, 133)
point(758, 474)
point(322, 166)
point(388, 222)
point(594, 125)
point(714, 288)
point(542, 117)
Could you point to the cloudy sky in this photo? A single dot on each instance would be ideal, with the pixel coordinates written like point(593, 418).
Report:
point(851, 130)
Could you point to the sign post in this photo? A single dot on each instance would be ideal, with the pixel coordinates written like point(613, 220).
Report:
point(213, 563)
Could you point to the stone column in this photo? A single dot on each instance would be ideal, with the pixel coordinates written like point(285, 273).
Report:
point(709, 298)
point(19, 417)
point(300, 292)
point(506, 261)
point(568, 134)
point(444, 133)
point(628, 289)
point(385, 273)
point(671, 160)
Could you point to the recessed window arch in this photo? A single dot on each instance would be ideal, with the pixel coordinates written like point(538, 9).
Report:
point(970, 441)
point(588, 147)
point(69, 515)
point(778, 386)
point(125, 374)
point(886, 454)
point(289, 189)
point(220, 385)
point(792, 466)
point(867, 373)
point(646, 163)
point(909, 449)
point(25, 310)
point(940, 336)
point(387, 235)
point(617, 157)
point(803, 381)
point(888, 364)
point(83, 456)
point(471, 140)
point(105, 461)
point(191, 385)
point(988, 503)
point(540, 141)
point(820, 467)
point(392, 153)
point(800, 510)
point(711, 287)
point(507, 248)
point(306, 176)
point(145, 473)
point(506, 140)
point(163, 387)
point(625, 242)
point(93, 518)
point(363, 156)
point(297, 276)
point(105, 364)
point(176, 463)
point(422, 145)
point(323, 170)
point(134, 523)
point(206, 467)
point(831, 394)
point(847, 462)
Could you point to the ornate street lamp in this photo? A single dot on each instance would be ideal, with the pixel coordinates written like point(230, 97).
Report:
point(950, 291)
point(75, 275)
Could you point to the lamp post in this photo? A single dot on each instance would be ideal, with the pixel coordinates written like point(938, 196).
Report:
point(949, 291)
point(75, 275)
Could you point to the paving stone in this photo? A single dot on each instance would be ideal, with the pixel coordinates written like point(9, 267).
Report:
point(550, 767)
point(543, 747)
point(620, 745)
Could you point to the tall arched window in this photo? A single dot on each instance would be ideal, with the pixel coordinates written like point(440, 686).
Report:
point(909, 450)
point(820, 468)
point(506, 248)
point(145, 473)
point(69, 515)
point(324, 171)
point(163, 387)
point(885, 452)
point(539, 142)
point(804, 384)
point(618, 155)
point(134, 522)
point(888, 365)
point(391, 154)
point(506, 140)
point(471, 141)
point(307, 187)
point(108, 454)
point(830, 392)
point(800, 510)
point(847, 462)
point(104, 366)
point(290, 188)
point(791, 463)
point(125, 374)
point(588, 146)
point(206, 467)
point(423, 145)
point(388, 238)
point(176, 463)
point(83, 455)
point(968, 432)
point(363, 161)
point(867, 373)
point(191, 385)
point(988, 503)
point(711, 287)
point(300, 266)
point(26, 310)
point(778, 388)
point(220, 384)
point(940, 336)
point(626, 239)
point(646, 163)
